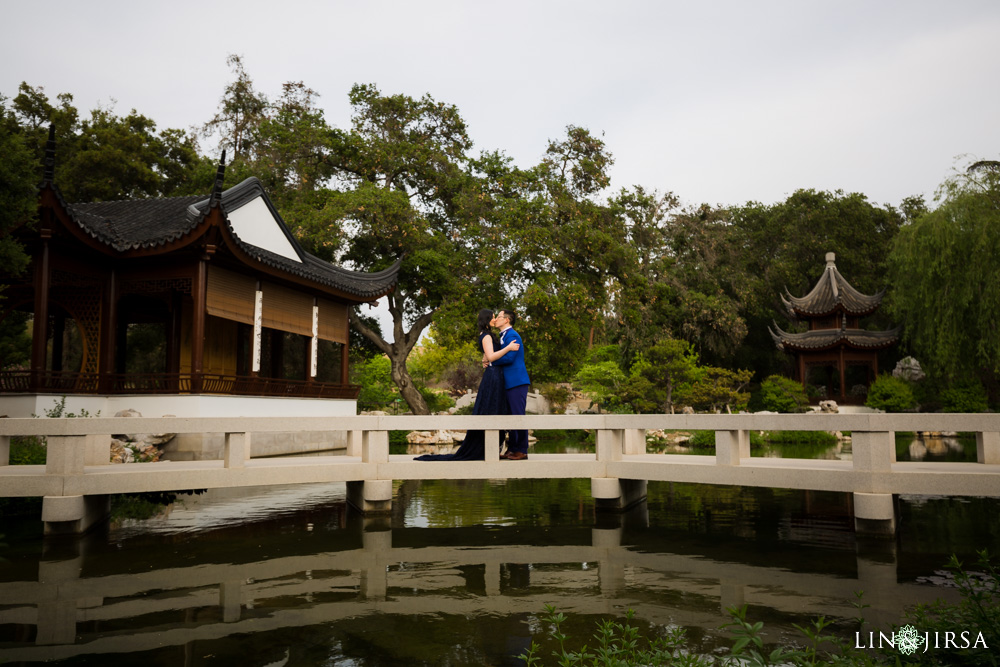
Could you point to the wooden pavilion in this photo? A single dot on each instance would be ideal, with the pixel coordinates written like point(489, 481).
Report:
point(233, 304)
point(835, 340)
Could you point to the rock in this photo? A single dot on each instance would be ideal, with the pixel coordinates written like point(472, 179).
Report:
point(465, 399)
point(374, 413)
point(687, 410)
point(829, 406)
point(150, 438)
point(572, 410)
point(128, 413)
point(420, 437)
point(908, 369)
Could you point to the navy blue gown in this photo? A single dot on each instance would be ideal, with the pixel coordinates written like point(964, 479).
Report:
point(491, 399)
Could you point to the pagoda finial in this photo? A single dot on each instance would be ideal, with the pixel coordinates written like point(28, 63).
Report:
point(220, 176)
point(49, 163)
point(831, 259)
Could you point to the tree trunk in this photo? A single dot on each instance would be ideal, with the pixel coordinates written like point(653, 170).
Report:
point(399, 350)
point(402, 378)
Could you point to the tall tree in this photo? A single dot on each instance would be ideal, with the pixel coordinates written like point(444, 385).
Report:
point(946, 280)
point(19, 173)
point(403, 162)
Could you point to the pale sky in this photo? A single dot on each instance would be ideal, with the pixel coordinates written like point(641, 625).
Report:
point(719, 102)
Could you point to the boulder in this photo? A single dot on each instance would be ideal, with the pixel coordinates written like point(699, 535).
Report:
point(155, 439)
point(829, 406)
point(908, 369)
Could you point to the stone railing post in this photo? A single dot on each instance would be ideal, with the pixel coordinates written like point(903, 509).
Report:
point(65, 455)
point(635, 441)
point(98, 450)
point(354, 440)
point(731, 447)
point(237, 450)
point(988, 447)
point(609, 444)
point(874, 452)
point(492, 446)
point(372, 496)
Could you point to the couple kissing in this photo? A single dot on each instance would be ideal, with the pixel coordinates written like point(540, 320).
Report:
point(502, 391)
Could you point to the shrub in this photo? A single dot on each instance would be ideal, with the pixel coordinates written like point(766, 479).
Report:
point(437, 401)
point(28, 450)
point(891, 394)
point(706, 440)
point(970, 398)
point(781, 394)
point(557, 395)
point(801, 437)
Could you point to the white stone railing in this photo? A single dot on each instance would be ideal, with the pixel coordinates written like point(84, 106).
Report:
point(77, 464)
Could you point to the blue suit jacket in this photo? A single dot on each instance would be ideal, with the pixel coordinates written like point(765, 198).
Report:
point(515, 373)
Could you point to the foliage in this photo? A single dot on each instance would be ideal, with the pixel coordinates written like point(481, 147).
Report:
point(27, 450)
point(715, 388)
point(968, 398)
point(557, 395)
point(459, 366)
point(602, 381)
point(782, 246)
point(617, 644)
point(978, 610)
point(891, 394)
point(669, 364)
point(818, 438)
point(437, 401)
point(946, 281)
point(142, 506)
point(706, 440)
point(15, 340)
point(781, 394)
point(377, 389)
point(17, 190)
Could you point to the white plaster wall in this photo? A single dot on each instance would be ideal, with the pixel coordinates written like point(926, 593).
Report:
point(255, 225)
point(26, 405)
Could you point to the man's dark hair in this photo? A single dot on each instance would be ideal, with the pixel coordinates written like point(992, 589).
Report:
point(511, 315)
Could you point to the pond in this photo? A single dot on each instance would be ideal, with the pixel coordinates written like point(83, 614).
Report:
point(461, 571)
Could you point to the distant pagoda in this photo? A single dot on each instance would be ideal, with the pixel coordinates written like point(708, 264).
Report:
point(835, 340)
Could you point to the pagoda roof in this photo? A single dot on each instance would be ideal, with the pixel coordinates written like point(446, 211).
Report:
point(824, 339)
point(832, 293)
point(254, 226)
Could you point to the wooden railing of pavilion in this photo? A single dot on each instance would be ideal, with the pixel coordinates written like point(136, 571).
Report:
point(59, 382)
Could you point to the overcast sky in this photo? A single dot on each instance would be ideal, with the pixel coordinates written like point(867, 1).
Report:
point(719, 102)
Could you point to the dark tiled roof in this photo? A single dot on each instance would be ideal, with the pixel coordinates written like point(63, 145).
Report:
point(820, 339)
point(831, 293)
point(136, 223)
point(148, 223)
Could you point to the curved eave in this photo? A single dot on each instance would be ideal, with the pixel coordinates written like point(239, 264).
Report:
point(828, 339)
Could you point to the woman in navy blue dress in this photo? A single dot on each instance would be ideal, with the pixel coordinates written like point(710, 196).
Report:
point(491, 399)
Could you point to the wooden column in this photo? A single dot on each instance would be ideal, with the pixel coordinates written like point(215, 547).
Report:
point(109, 332)
point(345, 376)
point(40, 330)
point(843, 374)
point(198, 292)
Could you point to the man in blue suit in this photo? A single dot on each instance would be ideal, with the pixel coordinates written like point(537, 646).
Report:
point(516, 382)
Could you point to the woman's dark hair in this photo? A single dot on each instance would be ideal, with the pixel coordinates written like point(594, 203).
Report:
point(483, 323)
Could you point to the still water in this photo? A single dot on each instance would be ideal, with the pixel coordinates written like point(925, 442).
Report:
point(460, 573)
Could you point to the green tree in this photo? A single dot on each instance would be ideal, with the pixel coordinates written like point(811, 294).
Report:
point(946, 280)
point(782, 246)
point(717, 388)
point(891, 394)
point(781, 394)
point(18, 177)
point(671, 363)
point(403, 162)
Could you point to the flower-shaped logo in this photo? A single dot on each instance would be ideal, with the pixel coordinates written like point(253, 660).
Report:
point(908, 640)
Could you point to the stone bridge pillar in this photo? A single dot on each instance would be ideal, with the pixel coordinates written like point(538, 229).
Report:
point(611, 493)
point(873, 454)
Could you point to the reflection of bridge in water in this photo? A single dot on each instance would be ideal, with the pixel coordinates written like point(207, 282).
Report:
point(95, 605)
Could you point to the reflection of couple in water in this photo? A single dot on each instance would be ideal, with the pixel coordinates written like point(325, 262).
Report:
point(502, 391)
